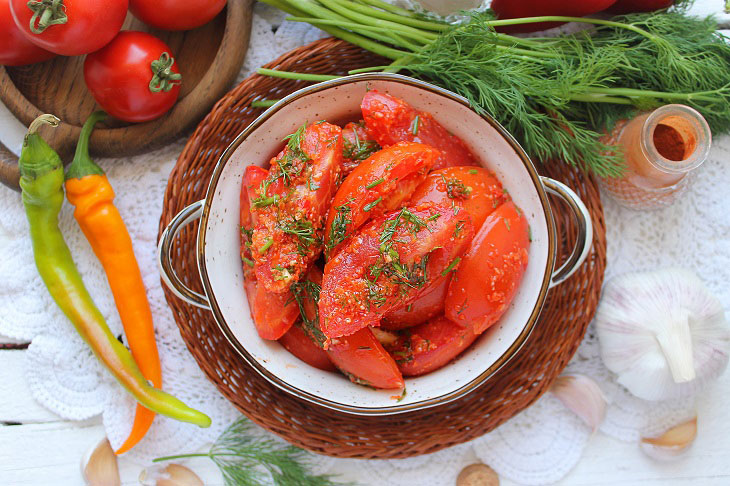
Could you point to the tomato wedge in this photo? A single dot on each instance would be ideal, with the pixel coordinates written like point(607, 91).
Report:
point(359, 356)
point(475, 189)
point(379, 184)
point(298, 343)
point(357, 146)
point(491, 271)
point(291, 204)
point(390, 262)
point(273, 314)
point(425, 307)
point(429, 346)
point(390, 120)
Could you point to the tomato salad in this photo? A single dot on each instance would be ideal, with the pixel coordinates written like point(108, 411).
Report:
point(380, 249)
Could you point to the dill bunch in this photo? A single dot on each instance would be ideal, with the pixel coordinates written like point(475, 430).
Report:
point(245, 458)
point(558, 103)
point(530, 96)
point(557, 96)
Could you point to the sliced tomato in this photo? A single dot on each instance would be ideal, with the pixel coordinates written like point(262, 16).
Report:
point(379, 184)
point(475, 189)
point(291, 205)
point(298, 343)
point(425, 307)
point(359, 356)
point(491, 271)
point(273, 314)
point(390, 262)
point(357, 146)
point(390, 120)
point(252, 179)
point(429, 346)
point(362, 358)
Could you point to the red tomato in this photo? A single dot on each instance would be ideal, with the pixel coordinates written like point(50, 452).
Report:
point(429, 346)
point(359, 356)
point(390, 262)
point(429, 305)
point(390, 120)
point(298, 343)
point(379, 184)
point(122, 77)
point(176, 14)
point(82, 26)
point(15, 49)
point(357, 147)
point(475, 189)
point(273, 314)
point(291, 205)
point(628, 6)
point(491, 270)
point(512, 9)
point(363, 359)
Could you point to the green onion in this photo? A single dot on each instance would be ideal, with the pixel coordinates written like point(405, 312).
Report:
point(263, 103)
point(302, 76)
point(451, 266)
point(414, 125)
point(247, 261)
point(371, 205)
point(266, 246)
point(375, 183)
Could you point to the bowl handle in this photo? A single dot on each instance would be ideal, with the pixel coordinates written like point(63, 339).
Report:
point(585, 229)
point(164, 256)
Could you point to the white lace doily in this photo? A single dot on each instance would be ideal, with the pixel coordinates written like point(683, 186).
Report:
point(538, 446)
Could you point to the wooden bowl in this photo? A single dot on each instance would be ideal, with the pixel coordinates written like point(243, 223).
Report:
point(209, 58)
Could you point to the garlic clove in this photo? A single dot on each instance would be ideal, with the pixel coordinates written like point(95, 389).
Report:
point(385, 337)
point(671, 443)
point(477, 475)
point(582, 396)
point(170, 475)
point(99, 466)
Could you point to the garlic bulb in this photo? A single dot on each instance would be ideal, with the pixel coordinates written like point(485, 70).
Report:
point(662, 333)
point(671, 443)
point(582, 396)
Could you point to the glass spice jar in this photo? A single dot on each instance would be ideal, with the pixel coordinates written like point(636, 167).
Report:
point(660, 150)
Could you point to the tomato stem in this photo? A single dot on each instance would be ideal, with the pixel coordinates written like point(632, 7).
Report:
point(45, 14)
point(163, 78)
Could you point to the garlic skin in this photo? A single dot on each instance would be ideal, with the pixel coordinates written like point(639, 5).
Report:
point(662, 333)
point(672, 443)
point(582, 396)
point(170, 475)
point(99, 466)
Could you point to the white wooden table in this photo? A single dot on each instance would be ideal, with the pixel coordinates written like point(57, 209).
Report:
point(38, 448)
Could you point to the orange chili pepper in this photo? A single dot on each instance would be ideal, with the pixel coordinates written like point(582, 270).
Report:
point(88, 189)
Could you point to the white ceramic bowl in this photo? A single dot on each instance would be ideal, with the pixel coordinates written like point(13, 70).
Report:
point(338, 101)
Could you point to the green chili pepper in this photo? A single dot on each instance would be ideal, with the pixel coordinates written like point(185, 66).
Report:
point(41, 180)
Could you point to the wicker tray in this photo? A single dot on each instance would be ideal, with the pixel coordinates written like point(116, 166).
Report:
point(567, 312)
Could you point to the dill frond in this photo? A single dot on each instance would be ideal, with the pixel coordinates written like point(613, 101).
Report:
point(246, 458)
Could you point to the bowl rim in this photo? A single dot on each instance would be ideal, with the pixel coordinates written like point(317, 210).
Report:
point(396, 408)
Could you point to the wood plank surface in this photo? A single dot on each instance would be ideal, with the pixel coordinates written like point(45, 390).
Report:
point(44, 449)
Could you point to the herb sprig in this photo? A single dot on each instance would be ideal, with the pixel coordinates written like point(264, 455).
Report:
point(248, 458)
point(338, 229)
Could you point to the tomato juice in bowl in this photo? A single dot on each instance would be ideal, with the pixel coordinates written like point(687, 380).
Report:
point(338, 101)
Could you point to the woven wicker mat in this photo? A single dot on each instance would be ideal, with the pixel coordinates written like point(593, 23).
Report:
point(567, 312)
